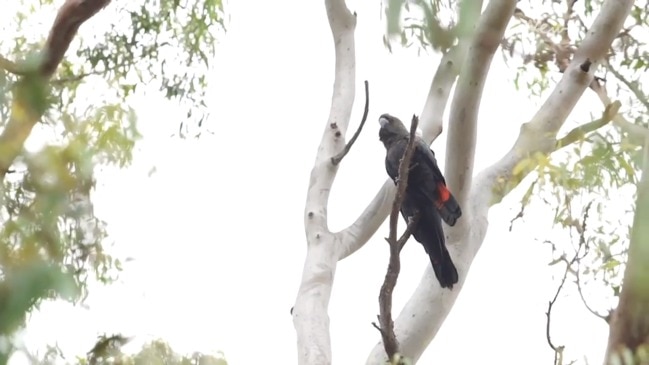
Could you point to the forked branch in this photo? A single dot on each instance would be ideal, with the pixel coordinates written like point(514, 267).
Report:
point(394, 266)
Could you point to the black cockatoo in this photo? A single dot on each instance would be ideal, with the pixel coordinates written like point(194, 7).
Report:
point(426, 193)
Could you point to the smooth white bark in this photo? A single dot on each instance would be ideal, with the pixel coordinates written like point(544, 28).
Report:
point(427, 309)
point(310, 312)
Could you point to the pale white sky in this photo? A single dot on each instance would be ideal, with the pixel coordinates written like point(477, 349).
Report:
point(217, 233)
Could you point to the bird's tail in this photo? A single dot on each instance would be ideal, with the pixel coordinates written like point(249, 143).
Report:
point(448, 208)
point(444, 269)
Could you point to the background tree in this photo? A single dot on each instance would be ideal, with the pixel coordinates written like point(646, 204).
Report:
point(108, 350)
point(558, 50)
point(54, 138)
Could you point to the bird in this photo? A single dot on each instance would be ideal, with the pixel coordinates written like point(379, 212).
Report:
point(426, 194)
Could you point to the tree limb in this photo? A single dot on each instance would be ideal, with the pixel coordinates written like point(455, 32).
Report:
point(564, 51)
point(310, 312)
point(71, 15)
point(629, 329)
point(492, 184)
point(11, 66)
point(431, 123)
point(339, 157)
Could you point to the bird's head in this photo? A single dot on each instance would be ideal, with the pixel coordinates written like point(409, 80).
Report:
point(391, 130)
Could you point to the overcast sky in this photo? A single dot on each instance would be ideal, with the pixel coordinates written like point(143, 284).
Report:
point(217, 233)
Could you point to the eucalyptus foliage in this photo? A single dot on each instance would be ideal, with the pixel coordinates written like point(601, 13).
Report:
point(52, 243)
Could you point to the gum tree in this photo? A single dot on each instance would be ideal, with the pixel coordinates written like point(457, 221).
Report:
point(557, 50)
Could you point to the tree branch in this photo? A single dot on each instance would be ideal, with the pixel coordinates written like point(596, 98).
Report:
point(633, 87)
point(463, 119)
point(11, 66)
point(637, 134)
point(606, 318)
point(310, 312)
point(629, 329)
point(430, 122)
point(578, 133)
point(564, 51)
point(71, 15)
point(339, 157)
point(394, 266)
point(558, 350)
point(415, 333)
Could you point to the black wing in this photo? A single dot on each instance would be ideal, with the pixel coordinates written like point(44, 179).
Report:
point(426, 184)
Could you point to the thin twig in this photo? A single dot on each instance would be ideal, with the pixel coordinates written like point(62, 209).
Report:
point(584, 243)
point(605, 318)
point(642, 98)
point(339, 157)
point(385, 297)
point(406, 234)
point(558, 350)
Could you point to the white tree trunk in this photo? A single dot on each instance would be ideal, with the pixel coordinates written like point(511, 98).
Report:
point(629, 326)
point(310, 316)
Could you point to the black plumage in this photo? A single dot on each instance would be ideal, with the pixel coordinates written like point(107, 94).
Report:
point(426, 193)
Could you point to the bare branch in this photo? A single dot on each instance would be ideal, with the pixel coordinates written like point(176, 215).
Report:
point(606, 318)
point(310, 312)
point(339, 157)
point(394, 266)
point(71, 15)
point(415, 327)
point(431, 122)
point(558, 350)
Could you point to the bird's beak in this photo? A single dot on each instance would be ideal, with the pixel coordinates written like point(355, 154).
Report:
point(383, 121)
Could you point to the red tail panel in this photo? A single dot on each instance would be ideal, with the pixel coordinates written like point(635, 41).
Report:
point(444, 194)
